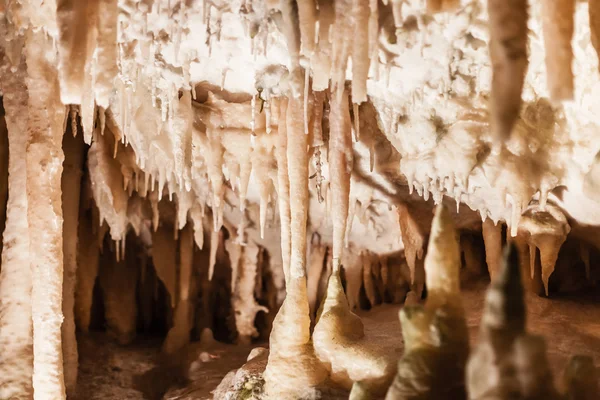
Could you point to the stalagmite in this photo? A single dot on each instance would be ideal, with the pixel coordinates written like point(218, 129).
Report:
point(435, 335)
point(71, 188)
point(243, 301)
point(118, 281)
point(340, 343)
point(44, 214)
point(107, 51)
point(293, 370)
point(581, 379)
point(179, 335)
point(360, 51)
point(492, 239)
point(558, 26)
point(74, 28)
point(16, 337)
point(508, 53)
point(164, 257)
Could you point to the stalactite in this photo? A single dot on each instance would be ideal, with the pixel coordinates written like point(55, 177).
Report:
point(164, 257)
point(508, 53)
point(74, 27)
point(179, 335)
point(197, 215)
point(214, 246)
point(291, 30)
point(321, 59)
point(16, 338)
point(545, 230)
point(44, 214)
point(360, 51)
point(283, 188)
point(118, 282)
point(73, 148)
point(435, 335)
point(109, 195)
point(342, 42)
point(107, 51)
point(307, 14)
point(558, 26)
point(492, 239)
point(412, 238)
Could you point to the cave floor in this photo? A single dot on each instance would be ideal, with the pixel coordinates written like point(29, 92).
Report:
point(570, 324)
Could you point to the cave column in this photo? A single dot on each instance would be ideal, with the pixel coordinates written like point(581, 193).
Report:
point(16, 337)
point(71, 189)
point(44, 214)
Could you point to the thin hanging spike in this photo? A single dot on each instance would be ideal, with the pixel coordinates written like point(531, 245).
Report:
point(371, 158)
point(214, 244)
point(356, 122)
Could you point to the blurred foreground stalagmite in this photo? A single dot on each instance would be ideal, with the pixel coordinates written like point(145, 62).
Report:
point(508, 363)
point(16, 340)
point(435, 335)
